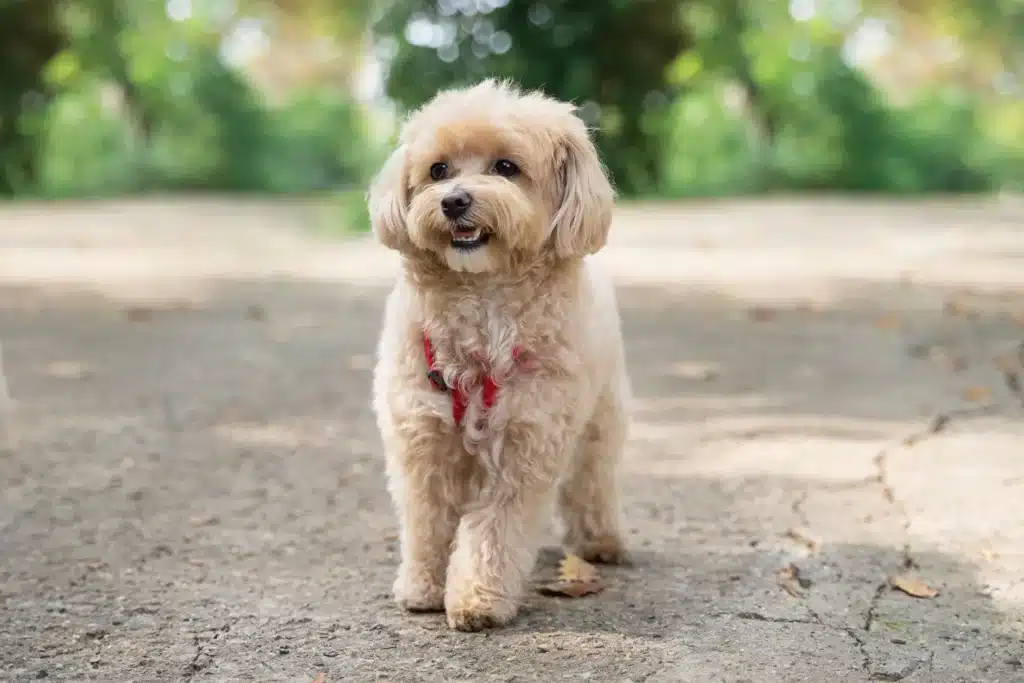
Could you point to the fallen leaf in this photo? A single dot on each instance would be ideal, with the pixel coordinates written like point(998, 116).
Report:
point(887, 321)
point(977, 394)
point(792, 582)
point(576, 578)
point(143, 312)
point(68, 370)
point(804, 538)
point(138, 313)
point(761, 314)
point(256, 313)
point(320, 678)
point(913, 587)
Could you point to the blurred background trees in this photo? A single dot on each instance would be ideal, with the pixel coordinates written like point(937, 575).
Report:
point(687, 97)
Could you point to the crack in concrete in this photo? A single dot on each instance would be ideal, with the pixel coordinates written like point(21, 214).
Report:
point(903, 673)
point(757, 616)
point(854, 634)
point(198, 662)
point(798, 507)
point(194, 666)
point(941, 421)
point(1012, 375)
point(938, 424)
point(869, 617)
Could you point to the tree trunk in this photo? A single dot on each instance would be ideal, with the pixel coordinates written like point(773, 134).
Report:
point(30, 36)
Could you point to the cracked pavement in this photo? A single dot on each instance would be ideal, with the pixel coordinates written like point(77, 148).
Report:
point(828, 396)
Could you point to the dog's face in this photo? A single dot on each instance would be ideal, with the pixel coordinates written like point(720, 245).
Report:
point(485, 175)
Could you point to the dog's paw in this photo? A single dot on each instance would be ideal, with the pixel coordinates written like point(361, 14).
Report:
point(418, 596)
point(607, 550)
point(478, 615)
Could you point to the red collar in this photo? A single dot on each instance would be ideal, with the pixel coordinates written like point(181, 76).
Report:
point(460, 400)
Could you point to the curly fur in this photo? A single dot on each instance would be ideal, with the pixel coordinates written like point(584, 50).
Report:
point(473, 499)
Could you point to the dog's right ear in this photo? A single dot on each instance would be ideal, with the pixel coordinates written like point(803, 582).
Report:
point(582, 221)
point(388, 201)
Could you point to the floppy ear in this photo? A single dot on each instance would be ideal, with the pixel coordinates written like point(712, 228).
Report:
point(580, 225)
point(388, 201)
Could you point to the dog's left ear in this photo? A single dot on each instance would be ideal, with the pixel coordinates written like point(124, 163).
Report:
point(388, 200)
point(581, 223)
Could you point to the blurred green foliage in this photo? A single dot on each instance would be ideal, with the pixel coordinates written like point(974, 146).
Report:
point(610, 57)
point(687, 97)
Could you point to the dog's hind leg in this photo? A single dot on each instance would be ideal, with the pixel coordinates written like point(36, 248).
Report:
point(588, 496)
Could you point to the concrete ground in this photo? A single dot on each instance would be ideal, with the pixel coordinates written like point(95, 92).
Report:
point(829, 397)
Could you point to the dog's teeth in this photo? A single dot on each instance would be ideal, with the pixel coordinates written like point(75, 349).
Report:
point(467, 238)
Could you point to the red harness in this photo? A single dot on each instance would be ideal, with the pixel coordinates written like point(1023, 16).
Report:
point(459, 399)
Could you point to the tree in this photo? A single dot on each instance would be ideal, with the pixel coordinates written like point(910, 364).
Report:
point(30, 36)
point(608, 57)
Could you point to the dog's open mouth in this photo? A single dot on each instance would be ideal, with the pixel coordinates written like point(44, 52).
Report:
point(469, 238)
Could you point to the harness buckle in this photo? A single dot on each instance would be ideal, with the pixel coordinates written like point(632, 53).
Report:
point(437, 379)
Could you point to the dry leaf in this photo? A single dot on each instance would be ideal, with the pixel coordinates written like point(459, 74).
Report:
point(792, 582)
point(138, 313)
point(913, 587)
point(144, 312)
point(68, 370)
point(887, 321)
point(977, 394)
point(761, 314)
point(804, 538)
point(576, 578)
point(320, 678)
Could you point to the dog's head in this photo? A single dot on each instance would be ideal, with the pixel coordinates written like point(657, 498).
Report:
point(487, 174)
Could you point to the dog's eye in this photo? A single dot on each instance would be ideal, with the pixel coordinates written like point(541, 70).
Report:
point(506, 168)
point(439, 171)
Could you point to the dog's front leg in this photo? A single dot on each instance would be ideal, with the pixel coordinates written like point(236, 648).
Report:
point(498, 535)
point(427, 479)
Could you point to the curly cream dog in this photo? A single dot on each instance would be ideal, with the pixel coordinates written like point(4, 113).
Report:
point(501, 385)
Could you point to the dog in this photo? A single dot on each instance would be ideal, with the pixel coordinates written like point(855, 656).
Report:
point(500, 388)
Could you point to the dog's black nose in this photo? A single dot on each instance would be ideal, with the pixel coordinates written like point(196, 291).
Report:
point(456, 203)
